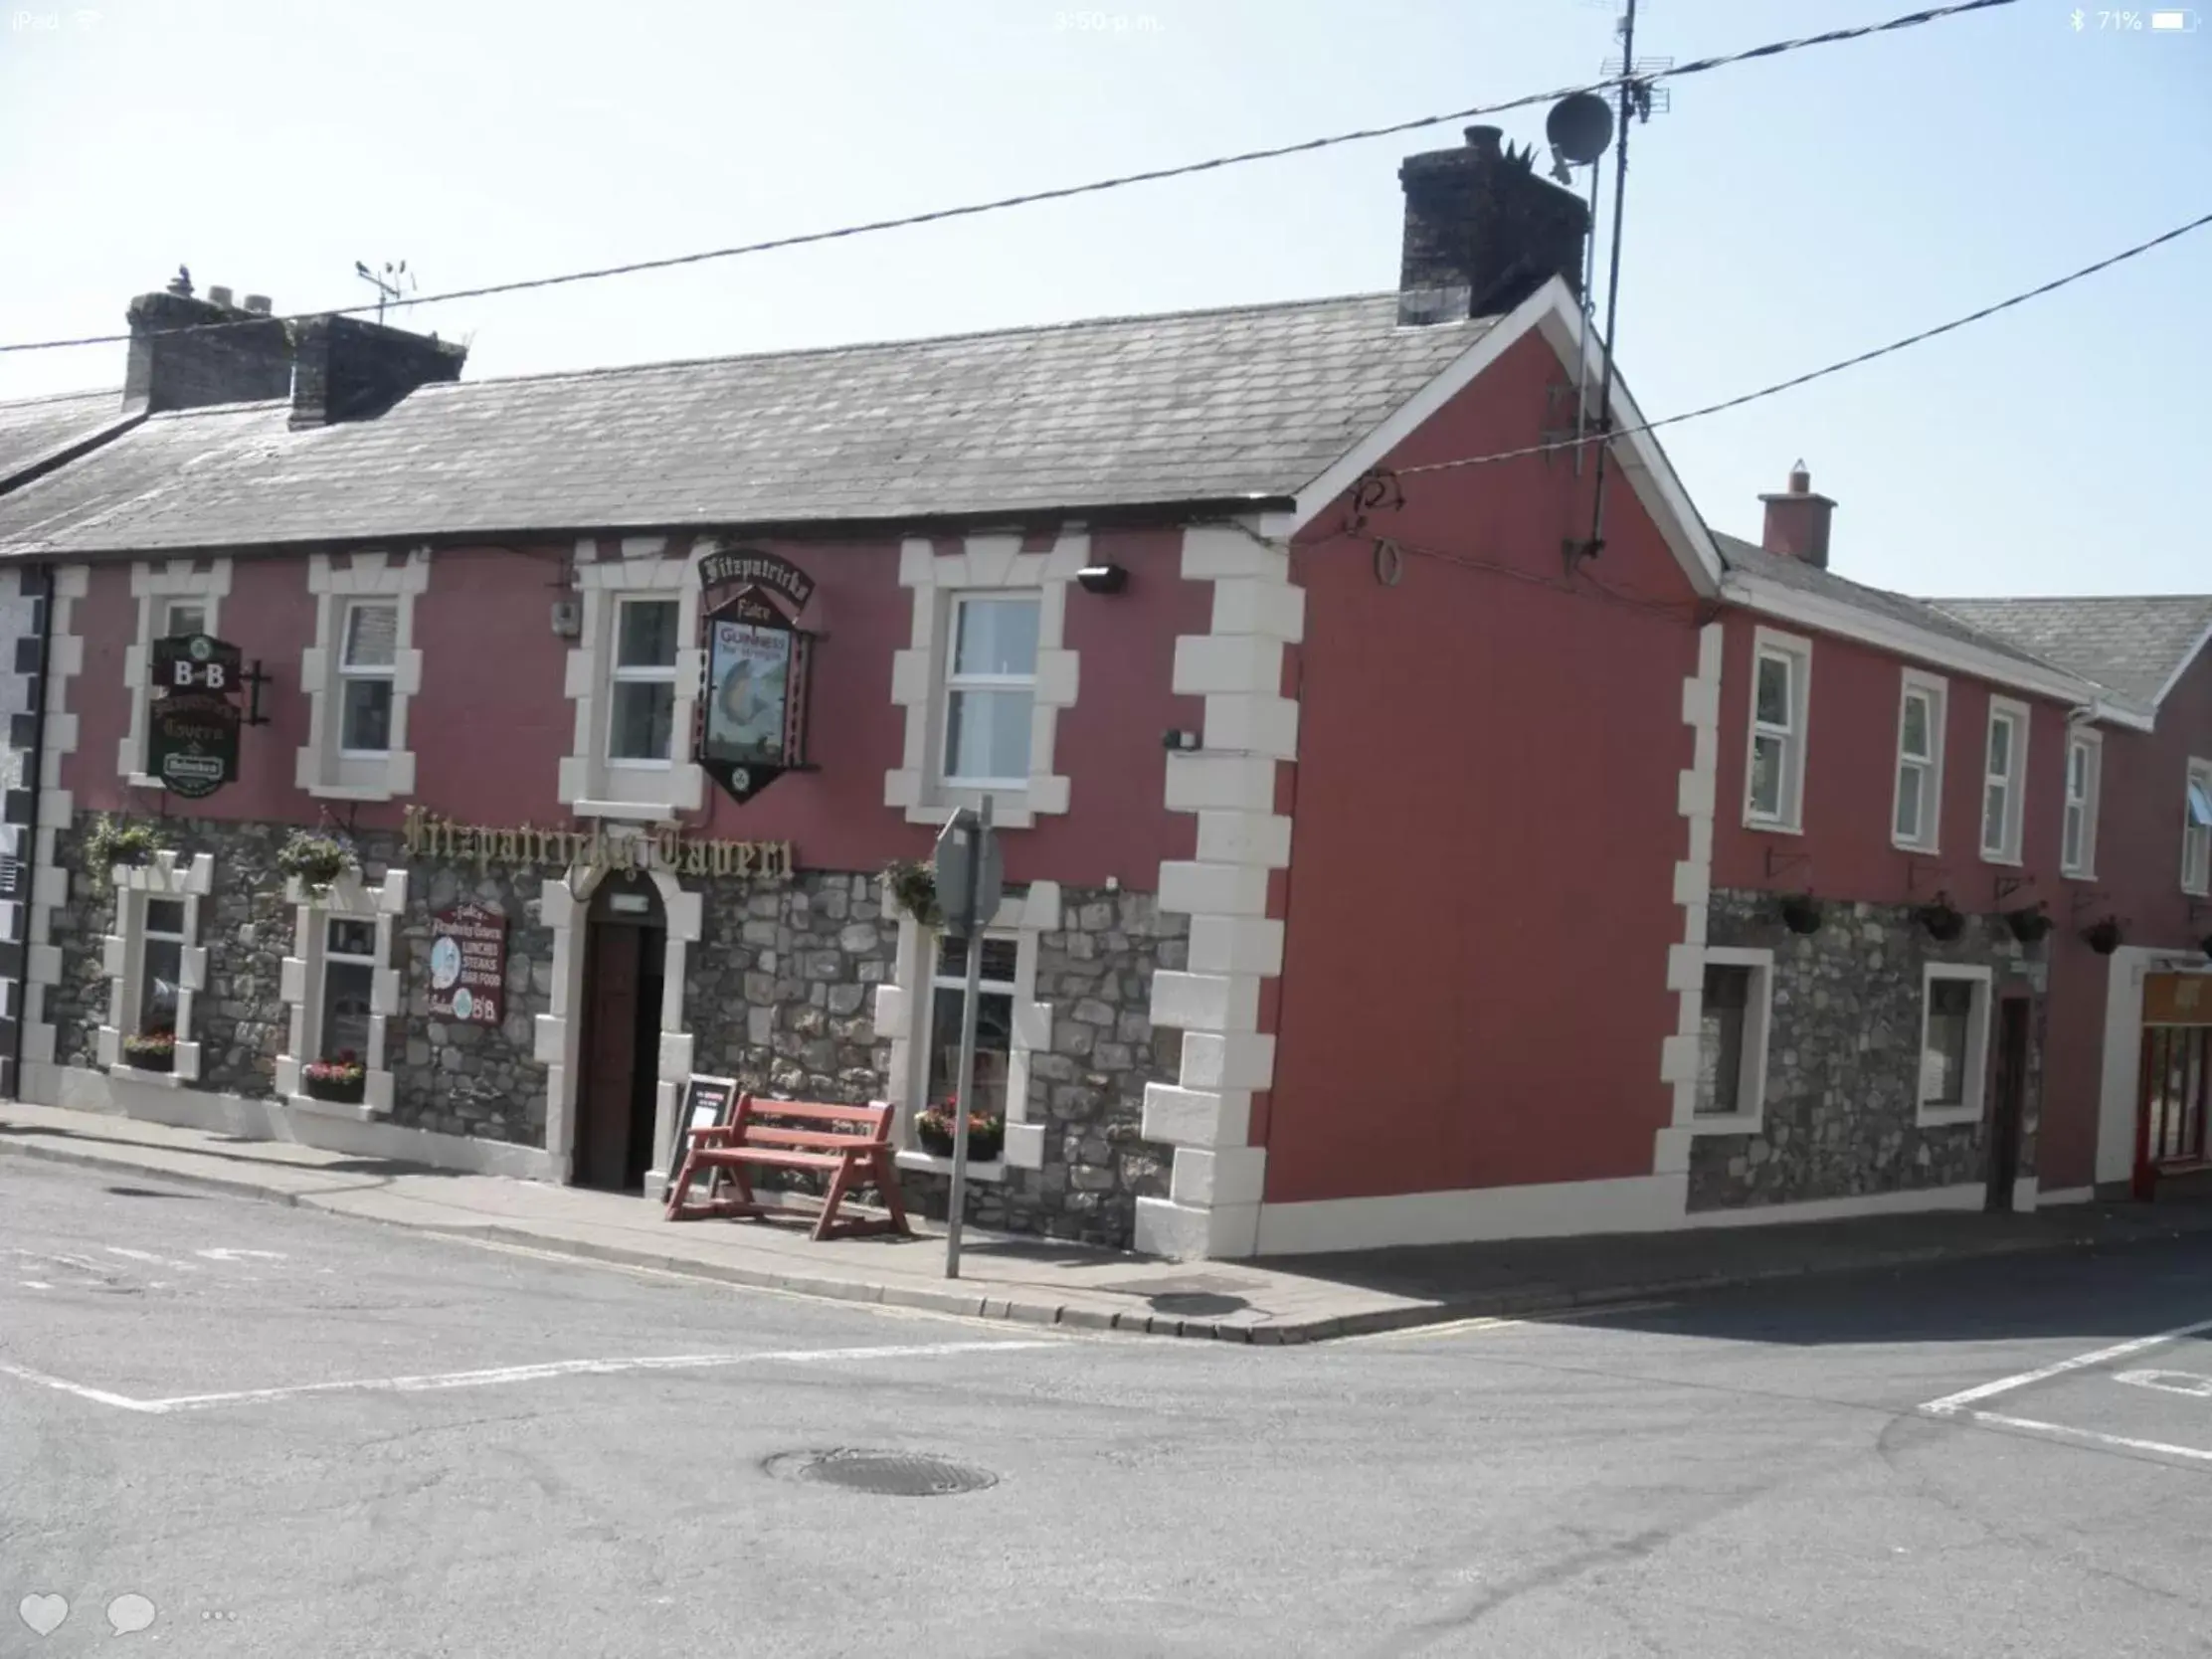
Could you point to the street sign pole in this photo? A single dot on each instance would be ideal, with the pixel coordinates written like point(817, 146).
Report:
point(977, 835)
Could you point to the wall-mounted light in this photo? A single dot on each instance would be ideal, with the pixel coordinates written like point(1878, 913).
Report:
point(1103, 578)
point(1179, 740)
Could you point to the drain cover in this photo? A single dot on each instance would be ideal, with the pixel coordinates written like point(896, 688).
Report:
point(887, 1473)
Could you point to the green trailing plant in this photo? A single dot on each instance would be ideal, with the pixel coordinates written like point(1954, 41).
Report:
point(913, 888)
point(316, 860)
point(114, 840)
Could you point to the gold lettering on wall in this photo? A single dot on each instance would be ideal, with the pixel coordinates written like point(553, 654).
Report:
point(666, 849)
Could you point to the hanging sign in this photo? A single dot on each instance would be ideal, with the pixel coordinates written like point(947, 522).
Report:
point(752, 721)
point(192, 717)
point(469, 965)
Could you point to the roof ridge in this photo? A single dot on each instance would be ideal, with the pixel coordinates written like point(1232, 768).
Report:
point(2064, 599)
point(115, 392)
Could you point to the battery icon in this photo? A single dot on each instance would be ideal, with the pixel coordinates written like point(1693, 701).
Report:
point(2179, 21)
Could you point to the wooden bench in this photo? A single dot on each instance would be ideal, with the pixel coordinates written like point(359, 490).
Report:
point(852, 1143)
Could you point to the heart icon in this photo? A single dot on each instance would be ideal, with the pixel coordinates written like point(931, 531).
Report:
point(42, 1613)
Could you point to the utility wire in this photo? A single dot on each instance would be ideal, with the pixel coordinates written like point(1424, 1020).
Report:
point(1772, 48)
point(1926, 334)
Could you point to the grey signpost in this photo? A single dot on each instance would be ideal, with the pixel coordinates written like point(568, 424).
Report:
point(970, 881)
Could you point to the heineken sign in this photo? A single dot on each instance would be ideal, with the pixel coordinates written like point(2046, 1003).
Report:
point(193, 720)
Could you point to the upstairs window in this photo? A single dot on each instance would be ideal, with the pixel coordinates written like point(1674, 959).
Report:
point(1919, 764)
point(184, 616)
point(641, 723)
point(991, 690)
point(2004, 780)
point(2085, 761)
point(2196, 829)
point(368, 657)
point(1782, 672)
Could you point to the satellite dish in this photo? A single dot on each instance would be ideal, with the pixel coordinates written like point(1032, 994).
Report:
point(1579, 127)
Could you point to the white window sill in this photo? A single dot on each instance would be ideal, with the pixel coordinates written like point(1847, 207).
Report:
point(159, 1079)
point(930, 1163)
point(349, 792)
point(638, 763)
point(143, 780)
point(643, 811)
point(2011, 862)
point(1916, 849)
point(1773, 827)
point(354, 1111)
point(1946, 1117)
point(2077, 875)
point(1728, 1123)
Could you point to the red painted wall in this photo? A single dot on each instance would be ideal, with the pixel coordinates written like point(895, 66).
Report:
point(1478, 915)
point(491, 725)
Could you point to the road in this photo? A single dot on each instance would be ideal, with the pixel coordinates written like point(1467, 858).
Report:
point(294, 1433)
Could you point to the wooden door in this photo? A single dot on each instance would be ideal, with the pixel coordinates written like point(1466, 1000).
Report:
point(610, 1056)
point(2010, 1113)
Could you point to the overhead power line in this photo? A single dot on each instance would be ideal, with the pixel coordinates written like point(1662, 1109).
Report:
point(1772, 48)
point(1796, 381)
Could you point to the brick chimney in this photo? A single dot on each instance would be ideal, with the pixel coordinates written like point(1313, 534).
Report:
point(1797, 520)
point(349, 369)
point(1483, 232)
point(188, 353)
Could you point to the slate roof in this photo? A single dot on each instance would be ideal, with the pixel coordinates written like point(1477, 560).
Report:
point(1251, 402)
point(2129, 645)
point(33, 429)
point(1753, 559)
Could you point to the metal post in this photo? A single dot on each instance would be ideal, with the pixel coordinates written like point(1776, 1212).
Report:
point(966, 1077)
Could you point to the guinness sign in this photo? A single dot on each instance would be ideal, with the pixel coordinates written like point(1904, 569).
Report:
point(759, 662)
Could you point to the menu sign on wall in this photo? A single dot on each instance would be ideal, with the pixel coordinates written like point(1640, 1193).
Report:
point(469, 965)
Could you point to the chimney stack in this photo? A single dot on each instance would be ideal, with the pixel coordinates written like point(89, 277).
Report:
point(1483, 231)
point(188, 353)
point(1797, 520)
point(349, 369)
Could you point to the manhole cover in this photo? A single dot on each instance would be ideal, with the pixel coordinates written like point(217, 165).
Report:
point(887, 1473)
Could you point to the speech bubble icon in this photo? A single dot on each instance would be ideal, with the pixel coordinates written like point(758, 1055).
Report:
point(129, 1613)
point(42, 1613)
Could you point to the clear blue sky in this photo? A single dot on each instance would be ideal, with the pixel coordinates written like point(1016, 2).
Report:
point(1784, 214)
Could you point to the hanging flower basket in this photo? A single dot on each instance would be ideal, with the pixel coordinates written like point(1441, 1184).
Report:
point(986, 1135)
point(2103, 936)
point(113, 842)
point(344, 1079)
point(315, 860)
point(913, 888)
point(2029, 923)
point(1942, 920)
point(152, 1051)
point(1803, 913)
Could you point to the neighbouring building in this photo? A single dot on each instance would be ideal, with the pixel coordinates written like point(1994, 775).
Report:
point(1394, 855)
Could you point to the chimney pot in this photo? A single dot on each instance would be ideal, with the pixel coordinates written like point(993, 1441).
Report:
point(219, 295)
point(1797, 520)
point(1800, 481)
point(1486, 140)
point(258, 304)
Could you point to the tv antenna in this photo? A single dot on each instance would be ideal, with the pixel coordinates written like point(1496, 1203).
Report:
point(391, 285)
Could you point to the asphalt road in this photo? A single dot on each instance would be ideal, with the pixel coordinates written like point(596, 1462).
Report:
point(289, 1433)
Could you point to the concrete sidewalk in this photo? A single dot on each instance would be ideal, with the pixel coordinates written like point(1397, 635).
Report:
point(1292, 1300)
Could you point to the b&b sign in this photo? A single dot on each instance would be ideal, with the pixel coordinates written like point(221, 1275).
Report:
point(192, 724)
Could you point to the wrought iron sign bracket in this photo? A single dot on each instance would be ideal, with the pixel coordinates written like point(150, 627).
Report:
point(254, 679)
point(2087, 900)
point(1778, 860)
point(2007, 885)
point(1916, 869)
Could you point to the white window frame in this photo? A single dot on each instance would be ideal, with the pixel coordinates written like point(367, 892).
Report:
point(385, 674)
point(301, 984)
point(1970, 1109)
point(902, 1018)
point(2082, 867)
point(591, 785)
point(620, 674)
point(925, 1016)
point(986, 565)
point(1936, 692)
point(1797, 652)
point(2196, 843)
point(322, 768)
point(954, 682)
point(158, 587)
point(123, 955)
point(1758, 1029)
point(2015, 782)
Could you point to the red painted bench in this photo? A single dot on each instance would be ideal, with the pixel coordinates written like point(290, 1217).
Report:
point(851, 1143)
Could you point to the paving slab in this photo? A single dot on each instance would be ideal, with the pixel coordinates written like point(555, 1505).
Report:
point(1046, 1282)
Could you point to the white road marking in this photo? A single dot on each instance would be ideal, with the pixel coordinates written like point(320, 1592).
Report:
point(522, 1374)
point(2190, 1383)
point(2088, 1437)
point(1459, 1327)
point(36, 1284)
point(1951, 1405)
point(147, 1255)
point(241, 1255)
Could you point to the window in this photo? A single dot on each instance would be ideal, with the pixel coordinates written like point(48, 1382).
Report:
point(2196, 829)
point(641, 723)
point(161, 967)
point(366, 660)
point(1781, 669)
point(2004, 778)
point(1919, 764)
point(1732, 1047)
point(1954, 1043)
point(184, 616)
point(172, 597)
point(991, 690)
point(349, 964)
point(993, 1024)
point(2085, 761)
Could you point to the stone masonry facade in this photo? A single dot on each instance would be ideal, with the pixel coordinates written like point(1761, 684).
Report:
point(1844, 1055)
point(778, 993)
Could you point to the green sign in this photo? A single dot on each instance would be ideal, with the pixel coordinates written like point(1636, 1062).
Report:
point(192, 721)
